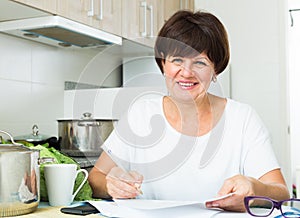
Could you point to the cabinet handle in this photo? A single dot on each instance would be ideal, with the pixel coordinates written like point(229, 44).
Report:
point(90, 13)
point(187, 4)
point(144, 5)
point(100, 16)
point(184, 4)
point(151, 21)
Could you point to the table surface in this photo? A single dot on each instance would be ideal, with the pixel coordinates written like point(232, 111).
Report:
point(46, 211)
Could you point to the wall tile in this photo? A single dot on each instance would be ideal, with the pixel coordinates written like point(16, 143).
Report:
point(54, 65)
point(32, 78)
point(15, 59)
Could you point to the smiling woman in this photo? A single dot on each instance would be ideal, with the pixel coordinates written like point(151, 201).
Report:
point(179, 146)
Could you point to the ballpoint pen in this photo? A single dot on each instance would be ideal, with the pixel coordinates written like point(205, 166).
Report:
point(136, 185)
point(138, 188)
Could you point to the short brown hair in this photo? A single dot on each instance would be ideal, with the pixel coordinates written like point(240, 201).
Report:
point(189, 33)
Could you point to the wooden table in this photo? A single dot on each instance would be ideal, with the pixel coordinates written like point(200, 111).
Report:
point(46, 211)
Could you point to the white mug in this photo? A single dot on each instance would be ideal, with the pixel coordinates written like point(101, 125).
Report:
point(60, 180)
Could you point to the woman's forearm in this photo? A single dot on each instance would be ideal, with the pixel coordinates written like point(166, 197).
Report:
point(276, 191)
point(97, 181)
point(273, 185)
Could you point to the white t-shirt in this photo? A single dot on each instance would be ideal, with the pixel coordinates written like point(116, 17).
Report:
point(181, 167)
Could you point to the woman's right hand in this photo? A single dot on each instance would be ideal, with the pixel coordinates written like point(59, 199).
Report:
point(122, 184)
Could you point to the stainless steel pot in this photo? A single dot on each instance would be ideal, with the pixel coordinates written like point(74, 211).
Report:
point(85, 134)
point(19, 179)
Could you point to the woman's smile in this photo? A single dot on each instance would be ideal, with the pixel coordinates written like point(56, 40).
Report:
point(187, 85)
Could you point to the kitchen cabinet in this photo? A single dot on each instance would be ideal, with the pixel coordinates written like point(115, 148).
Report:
point(137, 20)
point(45, 5)
point(76, 10)
point(170, 7)
point(101, 14)
point(140, 19)
point(11, 10)
point(109, 14)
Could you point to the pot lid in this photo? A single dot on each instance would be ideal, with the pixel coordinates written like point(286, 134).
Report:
point(87, 116)
point(33, 137)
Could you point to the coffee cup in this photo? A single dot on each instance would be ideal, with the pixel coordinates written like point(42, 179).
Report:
point(60, 180)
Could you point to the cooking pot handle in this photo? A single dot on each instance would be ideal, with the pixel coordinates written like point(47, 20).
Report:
point(44, 160)
point(11, 138)
point(88, 123)
point(87, 115)
point(87, 120)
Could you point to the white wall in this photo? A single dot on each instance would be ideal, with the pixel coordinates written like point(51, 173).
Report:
point(257, 34)
point(294, 79)
point(32, 80)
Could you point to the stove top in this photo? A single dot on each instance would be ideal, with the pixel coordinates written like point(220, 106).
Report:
point(79, 153)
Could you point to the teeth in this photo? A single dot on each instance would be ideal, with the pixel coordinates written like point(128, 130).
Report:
point(186, 84)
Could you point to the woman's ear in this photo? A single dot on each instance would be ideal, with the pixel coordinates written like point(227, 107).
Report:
point(162, 59)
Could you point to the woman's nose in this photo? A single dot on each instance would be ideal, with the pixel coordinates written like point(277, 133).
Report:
point(186, 70)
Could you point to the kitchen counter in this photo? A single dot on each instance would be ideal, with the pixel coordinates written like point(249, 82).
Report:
point(86, 159)
point(46, 211)
point(86, 162)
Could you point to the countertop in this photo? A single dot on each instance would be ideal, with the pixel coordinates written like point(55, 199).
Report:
point(46, 211)
point(86, 162)
point(86, 159)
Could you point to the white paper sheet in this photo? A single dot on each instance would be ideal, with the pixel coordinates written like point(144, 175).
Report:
point(111, 209)
point(172, 210)
point(138, 208)
point(160, 204)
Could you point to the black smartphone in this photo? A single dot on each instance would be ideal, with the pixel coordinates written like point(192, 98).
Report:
point(83, 209)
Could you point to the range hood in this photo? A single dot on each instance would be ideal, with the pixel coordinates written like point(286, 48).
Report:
point(59, 31)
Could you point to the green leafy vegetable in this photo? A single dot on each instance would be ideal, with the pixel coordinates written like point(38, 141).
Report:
point(85, 192)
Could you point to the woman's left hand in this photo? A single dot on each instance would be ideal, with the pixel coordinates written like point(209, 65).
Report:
point(241, 186)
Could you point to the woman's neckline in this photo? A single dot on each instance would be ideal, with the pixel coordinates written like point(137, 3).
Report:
point(200, 135)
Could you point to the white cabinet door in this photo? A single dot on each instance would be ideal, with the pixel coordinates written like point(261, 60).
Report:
point(140, 20)
point(10, 10)
point(45, 5)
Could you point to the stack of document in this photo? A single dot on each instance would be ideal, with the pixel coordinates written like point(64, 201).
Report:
point(139, 208)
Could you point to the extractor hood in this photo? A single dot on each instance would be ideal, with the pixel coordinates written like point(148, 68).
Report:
point(59, 31)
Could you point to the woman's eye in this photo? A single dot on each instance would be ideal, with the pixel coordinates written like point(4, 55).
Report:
point(177, 61)
point(201, 63)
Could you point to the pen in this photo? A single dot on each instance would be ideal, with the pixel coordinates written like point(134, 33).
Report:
point(138, 188)
point(136, 185)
